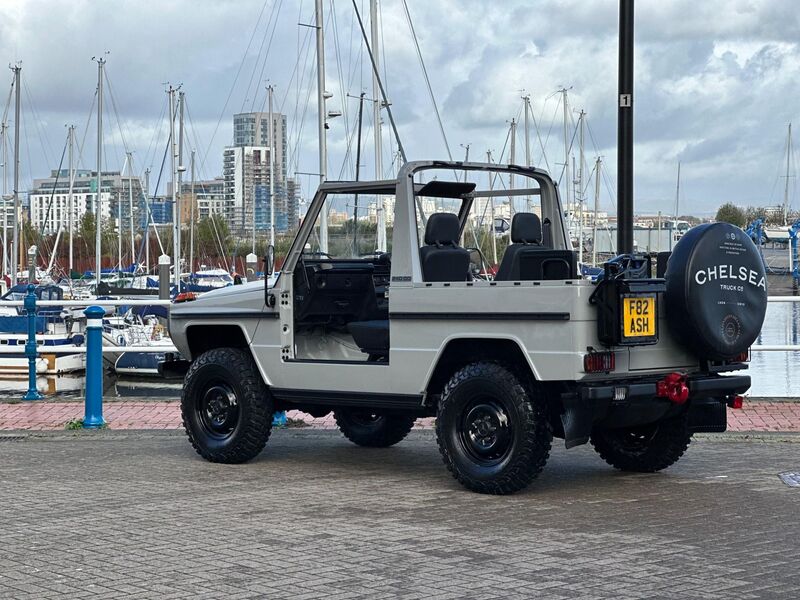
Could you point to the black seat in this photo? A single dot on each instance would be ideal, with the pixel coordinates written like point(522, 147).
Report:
point(372, 337)
point(526, 259)
point(441, 257)
point(526, 236)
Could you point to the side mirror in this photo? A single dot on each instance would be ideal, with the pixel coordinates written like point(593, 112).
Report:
point(269, 261)
point(269, 268)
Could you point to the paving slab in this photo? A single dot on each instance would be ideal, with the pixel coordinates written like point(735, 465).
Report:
point(128, 514)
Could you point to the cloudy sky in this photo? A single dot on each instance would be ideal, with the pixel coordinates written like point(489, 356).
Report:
point(716, 83)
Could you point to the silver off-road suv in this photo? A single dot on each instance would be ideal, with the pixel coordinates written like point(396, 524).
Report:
point(496, 335)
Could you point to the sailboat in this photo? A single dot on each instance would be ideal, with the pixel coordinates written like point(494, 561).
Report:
point(56, 327)
point(780, 233)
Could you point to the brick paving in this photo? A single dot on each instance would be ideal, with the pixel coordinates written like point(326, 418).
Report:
point(126, 414)
point(115, 514)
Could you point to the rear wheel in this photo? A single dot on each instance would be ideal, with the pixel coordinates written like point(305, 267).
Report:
point(646, 448)
point(226, 408)
point(493, 433)
point(371, 429)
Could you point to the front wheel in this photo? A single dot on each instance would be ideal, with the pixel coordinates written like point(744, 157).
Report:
point(493, 431)
point(373, 430)
point(646, 448)
point(226, 408)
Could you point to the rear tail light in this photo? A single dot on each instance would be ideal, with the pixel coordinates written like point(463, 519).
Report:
point(742, 357)
point(599, 362)
point(736, 401)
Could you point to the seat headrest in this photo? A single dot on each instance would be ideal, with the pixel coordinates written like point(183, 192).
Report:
point(526, 228)
point(442, 229)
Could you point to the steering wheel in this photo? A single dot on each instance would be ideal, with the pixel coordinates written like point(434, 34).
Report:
point(482, 270)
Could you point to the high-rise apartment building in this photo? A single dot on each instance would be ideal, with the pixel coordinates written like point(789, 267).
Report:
point(252, 129)
point(243, 168)
point(245, 174)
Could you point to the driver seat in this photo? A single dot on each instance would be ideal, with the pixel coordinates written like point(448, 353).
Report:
point(371, 337)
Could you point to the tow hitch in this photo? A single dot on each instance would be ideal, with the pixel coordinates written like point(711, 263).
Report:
point(673, 387)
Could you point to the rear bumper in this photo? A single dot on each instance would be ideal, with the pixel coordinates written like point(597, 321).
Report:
point(628, 403)
point(701, 386)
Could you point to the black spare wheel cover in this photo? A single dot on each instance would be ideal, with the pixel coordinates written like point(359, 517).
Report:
point(716, 291)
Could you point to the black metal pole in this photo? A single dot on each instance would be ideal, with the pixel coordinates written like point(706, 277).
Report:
point(625, 130)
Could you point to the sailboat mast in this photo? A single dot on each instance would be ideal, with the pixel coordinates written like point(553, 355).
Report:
point(786, 187)
point(70, 197)
point(580, 197)
point(678, 195)
point(4, 158)
point(526, 100)
point(119, 222)
point(566, 149)
point(376, 124)
point(271, 174)
point(513, 159)
point(146, 222)
point(491, 210)
point(358, 173)
point(173, 166)
point(179, 192)
point(130, 206)
point(17, 105)
point(98, 237)
point(323, 150)
point(191, 219)
point(596, 207)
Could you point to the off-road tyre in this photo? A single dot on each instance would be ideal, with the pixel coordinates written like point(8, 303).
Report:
point(226, 407)
point(644, 449)
point(372, 430)
point(486, 395)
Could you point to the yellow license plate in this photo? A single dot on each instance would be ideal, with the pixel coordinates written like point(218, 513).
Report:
point(639, 317)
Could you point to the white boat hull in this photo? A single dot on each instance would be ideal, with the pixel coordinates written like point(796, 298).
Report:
point(777, 234)
point(47, 363)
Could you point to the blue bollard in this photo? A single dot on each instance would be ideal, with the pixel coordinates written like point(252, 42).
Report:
point(93, 413)
point(30, 346)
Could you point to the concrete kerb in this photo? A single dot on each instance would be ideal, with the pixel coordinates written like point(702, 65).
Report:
point(8, 399)
point(311, 433)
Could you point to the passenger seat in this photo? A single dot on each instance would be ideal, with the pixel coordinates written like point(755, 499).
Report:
point(526, 259)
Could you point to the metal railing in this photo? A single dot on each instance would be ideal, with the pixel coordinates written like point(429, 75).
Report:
point(778, 347)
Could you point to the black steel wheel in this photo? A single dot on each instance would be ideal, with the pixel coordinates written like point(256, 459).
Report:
point(373, 430)
point(218, 409)
point(493, 432)
point(486, 432)
point(226, 408)
point(645, 448)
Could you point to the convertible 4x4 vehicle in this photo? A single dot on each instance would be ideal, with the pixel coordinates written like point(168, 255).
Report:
point(505, 361)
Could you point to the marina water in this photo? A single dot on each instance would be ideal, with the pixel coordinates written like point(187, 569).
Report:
point(774, 374)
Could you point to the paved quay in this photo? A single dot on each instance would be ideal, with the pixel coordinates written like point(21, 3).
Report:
point(165, 414)
point(112, 514)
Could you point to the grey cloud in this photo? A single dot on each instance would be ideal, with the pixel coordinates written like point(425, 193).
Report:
point(708, 107)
